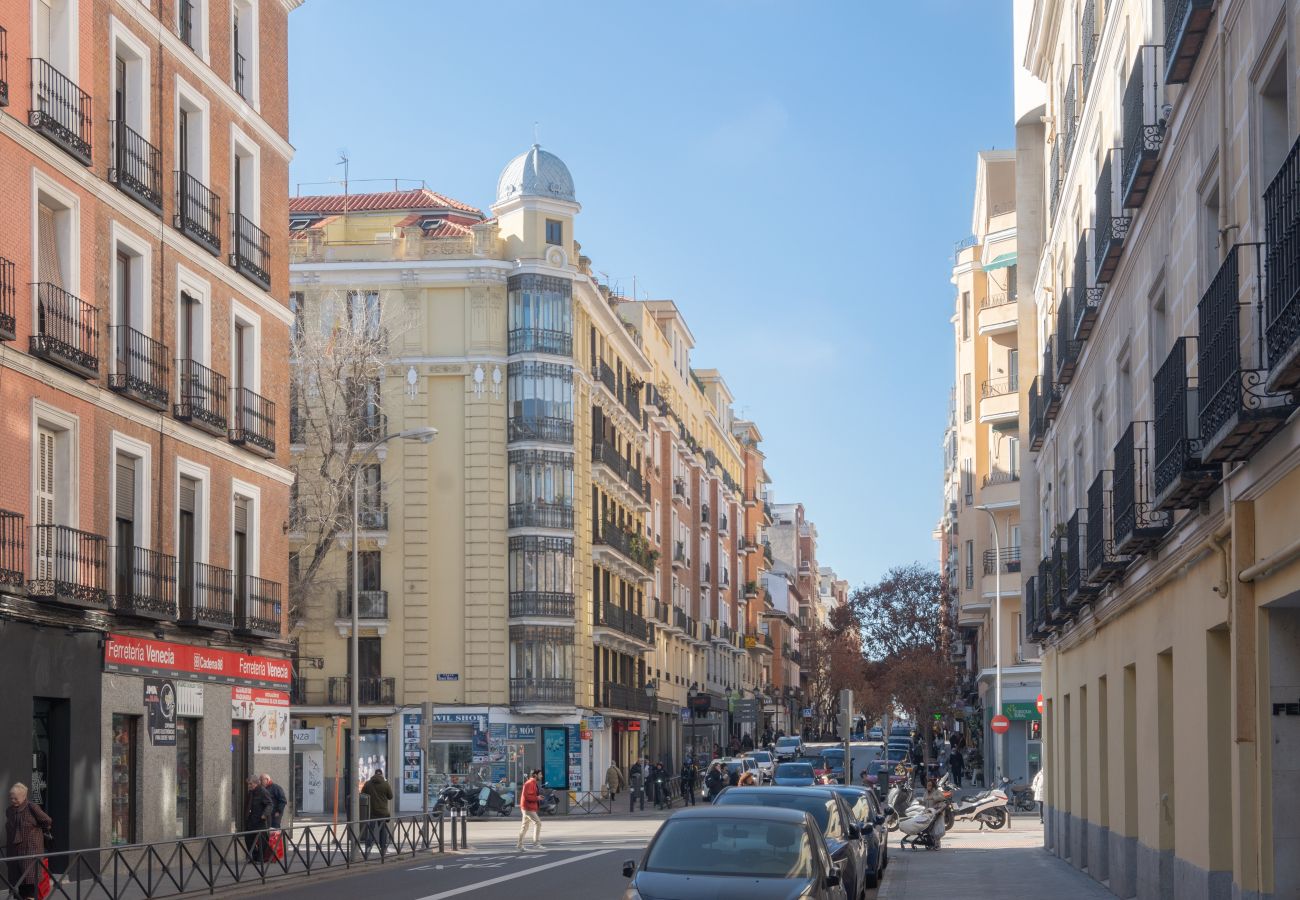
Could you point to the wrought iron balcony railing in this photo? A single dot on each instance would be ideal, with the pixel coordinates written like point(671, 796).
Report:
point(1060, 610)
point(1000, 387)
point(1186, 24)
point(604, 373)
point(252, 424)
point(540, 340)
point(621, 696)
point(541, 603)
point(140, 369)
point(67, 331)
point(4, 67)
point(1046, 586)
point(373, 605)
point(144, 583)
point(539, 514)
point(252, 255)
point(1085, 293)
point(373, 515)
point(1009, 557)
point(1112, 224)
point(613, 536)
point(372, 690)
point(1182, 481)
point(541, 428)
point(1089, 42)
point(207, 596)
point(1237, 411)
point(1143, 123)
point(1138, 525)
point(13, 552)
point(1055, 176)
point(1035, 614)
point(198, 213)
point(200, 397)
point(612, 615)
point(137, 166)
point(999, 477)
point(632, 399)
point(1038, 422)
point(241, 87)
point(1105, 565)
point(8, 303)
point(1067, 349)
point(1071, 102)
point(61, 111)
point(1078, 588)
point(1282, 261)
point(69, 567)
point(541, 690)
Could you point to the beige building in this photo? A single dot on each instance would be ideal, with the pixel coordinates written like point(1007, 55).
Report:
point(1159, 204)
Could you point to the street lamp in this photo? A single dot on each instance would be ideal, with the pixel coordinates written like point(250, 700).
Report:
point(997, 636)
point(423, 435)
point(691, 693)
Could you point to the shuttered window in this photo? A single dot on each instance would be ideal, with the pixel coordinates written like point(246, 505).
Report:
point(125, 488)
point(50, 262)
point(46, 448)
point(241, 516)
point(188, 490)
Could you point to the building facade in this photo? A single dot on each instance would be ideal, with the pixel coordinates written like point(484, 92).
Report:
point(1158, 205)
point(142, 549)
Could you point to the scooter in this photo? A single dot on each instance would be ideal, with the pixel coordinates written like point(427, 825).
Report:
point(451, 797)
point(900, 797)
point(988, 808)
point(922, 826)
point(490, 800)
point(547, 802)
point(1022, 796)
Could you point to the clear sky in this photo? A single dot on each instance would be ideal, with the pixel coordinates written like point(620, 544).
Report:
point(793, 174)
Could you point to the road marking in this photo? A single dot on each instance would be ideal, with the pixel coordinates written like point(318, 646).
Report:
point(454, 892)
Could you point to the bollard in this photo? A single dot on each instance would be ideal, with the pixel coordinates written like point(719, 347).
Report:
point(464, 830)
point(454, 844)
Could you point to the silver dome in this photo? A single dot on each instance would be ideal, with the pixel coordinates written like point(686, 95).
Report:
point(537, 173)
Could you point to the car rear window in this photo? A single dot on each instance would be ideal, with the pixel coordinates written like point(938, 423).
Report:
point(822, 808)
point(741, 847)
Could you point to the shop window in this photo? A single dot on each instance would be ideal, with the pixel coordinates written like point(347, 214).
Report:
point(122, 818)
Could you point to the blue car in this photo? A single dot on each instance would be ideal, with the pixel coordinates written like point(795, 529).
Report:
point(794, 774)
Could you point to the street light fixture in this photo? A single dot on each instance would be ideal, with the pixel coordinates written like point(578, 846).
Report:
point(997, 636)
point(422, 435)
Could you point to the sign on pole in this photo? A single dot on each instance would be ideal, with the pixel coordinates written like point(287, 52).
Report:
point(1000, 724)
point(1039, 704)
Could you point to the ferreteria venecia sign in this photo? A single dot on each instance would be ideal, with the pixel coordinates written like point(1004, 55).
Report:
point(140, 656)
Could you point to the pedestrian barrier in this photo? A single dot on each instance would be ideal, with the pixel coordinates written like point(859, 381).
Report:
point(585, 803)
point(170, 868)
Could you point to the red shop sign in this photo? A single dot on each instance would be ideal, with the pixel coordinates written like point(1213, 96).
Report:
point(140, 656)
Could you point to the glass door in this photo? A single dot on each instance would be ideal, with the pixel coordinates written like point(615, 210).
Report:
point(122, 771)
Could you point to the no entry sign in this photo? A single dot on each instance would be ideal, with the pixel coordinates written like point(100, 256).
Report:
point(1000, 724)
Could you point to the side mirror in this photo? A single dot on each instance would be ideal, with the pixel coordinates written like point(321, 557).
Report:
point(855, 833)
point(889, 811)
point(629, 868)
point(880, 820)
point(833, 876)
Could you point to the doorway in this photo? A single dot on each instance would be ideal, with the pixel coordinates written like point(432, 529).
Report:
point(240, 765)
point(51, 749)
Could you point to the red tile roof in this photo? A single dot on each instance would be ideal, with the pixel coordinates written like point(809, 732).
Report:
point(445, 227)
point(420, 198)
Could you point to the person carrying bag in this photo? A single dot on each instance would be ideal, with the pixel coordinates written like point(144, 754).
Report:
point(27, 829)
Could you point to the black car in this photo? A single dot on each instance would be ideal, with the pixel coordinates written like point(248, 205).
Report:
point(709, 852)
point(869, 813)
point(833, 817)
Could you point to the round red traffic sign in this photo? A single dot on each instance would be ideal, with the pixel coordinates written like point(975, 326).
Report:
point(1040, 704)
point(1000, 724)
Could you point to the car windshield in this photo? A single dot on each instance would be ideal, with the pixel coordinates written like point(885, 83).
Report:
point(742, 847)
point(858, 802)
point(794, 770)
point(761, 756)
point(821, 808)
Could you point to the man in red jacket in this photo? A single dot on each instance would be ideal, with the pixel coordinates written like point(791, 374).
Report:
point(528, 805)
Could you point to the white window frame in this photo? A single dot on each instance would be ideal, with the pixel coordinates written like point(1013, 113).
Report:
point(125, 445)
point(201, 475)
point(66, 200)
point(198, 288)
point(70, 64)
point(251, 71)
point(191, 98)
point(241, 315)
point(201, 42)
point(138, 68)
point(242, 145)
point(69, 425)
point(252, 494)
point(142, 274)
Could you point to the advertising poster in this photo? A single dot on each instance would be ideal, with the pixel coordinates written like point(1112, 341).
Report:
point(412, 765)
point(555, 758)
point(268, 711)
point(160, 711)
point(575, 757)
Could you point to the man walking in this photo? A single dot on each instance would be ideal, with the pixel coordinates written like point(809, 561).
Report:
point(613, 781)
point(380, 793)
point(528, 806)
point(278, 800)
point(688, 783)
point(957, 763)
point(257, 818)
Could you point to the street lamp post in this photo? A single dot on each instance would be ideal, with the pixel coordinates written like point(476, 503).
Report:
point(690, 703)
point(423, 435)
point(997, 637)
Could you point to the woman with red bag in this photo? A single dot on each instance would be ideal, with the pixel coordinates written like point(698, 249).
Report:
point(26, 825)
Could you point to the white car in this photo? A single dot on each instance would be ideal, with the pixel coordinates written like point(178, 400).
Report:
point(766, 764)
point(788, 747)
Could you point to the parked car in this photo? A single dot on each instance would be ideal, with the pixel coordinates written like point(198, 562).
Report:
point(875, 733)
point(750, 851)
point(869, 813)
point(794, 774)
point(833, 816)
point(765, 762)
point(862, 755)
point(788, 746)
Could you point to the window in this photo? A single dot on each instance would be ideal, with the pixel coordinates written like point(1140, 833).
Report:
point(970, 565)
point(541, 653)
point(540, 391)
point(129, 488)
point(1209, 250)
point(1013, 369)
point(56, 31)
point(554, 232)
point(967, 395)
point(299, 314)
point(364, 314)
point(192, 134)
point(244, 351)
point(541, 316)
point(122, 775)
point(368, 570)
point(243, 46)
point(541, 565)
point(1274, 130)
point(965, 315)
point(370, 498)
point(240, 549)
point(541, 478)
point(57, 242)
point(129, 84)
point(245, 179)
point(192, 25)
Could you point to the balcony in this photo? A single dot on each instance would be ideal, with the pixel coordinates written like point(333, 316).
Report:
point(4, 67)
point(1182, 481)
point(680, 562)
point(1078, 588)
point(1071, 103)
point(541, 428)
point(1067, 349)
point(1104, 564)
point(1085, 294)
point(540, 340)
point(620, 696)
point(603, 373)
point(541, 691)
point(1186, 24)
point(1057, 607)
point(629, 547)
point(1036, 625)
point(137, 166)
point(140, 368)
point(67, 331)
point(144, 583)
point(1282, 260)
point(61, 111)
point(207, 597)
point(1112, 224)
point(622, 478)
point(198, 213)
point(1000, 400)
point(998, 313)
point(372, 515)
point(706, 516)
point(1237, 411)
point(724, 524)
point(69, 567)
point(998, 477)
point(8, 305)
point(760, 643)
point(1046, 582)
point(1089, 42)
point(252, 255)
point(539, 514)
point(632, 399)
point(372, 690)
point(1139, 526)
point(525, 604)
point(373, 605)
point(1143, 124)
point(611, 615)
point(253, 423)
point(1038, 423)
point(1055, 176)
point(13, 552)
point(1007, 557)
point(200, 397)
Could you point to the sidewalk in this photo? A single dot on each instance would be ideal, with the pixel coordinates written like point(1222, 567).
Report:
point(987, 865)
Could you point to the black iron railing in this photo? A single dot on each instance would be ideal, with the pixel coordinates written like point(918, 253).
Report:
point(1035, 621)
point(374, 604)
point(1057, 601)
point(681, 621)
point(541, 603)
point(69, 566)
point(207, 596)
point(257, 607)
point(200, 397)
point(622, 696)
point(240, 86)
point(1138, 525)
point(1085, 294)
point(1112, 224)
point(198, 212)
point(185, 13)
point(1050, 392)
point(372, 514)
point(137, 166)
point(603, 373)
point(4, 67)
point(252, 256)
point(614, 616)
point(1055, 176)
point(13, 551)
point(1008, 556)
point(372, 690)
point(1237, 411)
point(632, 399)
point(541, 428)
point(539, 514)
point(611, 535)
point(540, 340)
point(1078, 587)
point(1181, 479)
point(67, 331)
point(541, 690)
point(140, 369)
point(253, 421)
point(1089, 41)
point(1067, 348)
point(999, 476)
point(144, 583)
point(1037, 421)
point(605, 454)
point(1186, 24)
point(1045, 581)
point(1070, 104)
point(998, 387)
point(61, 111)
point(1282, 260)
point(1143, 123)
point(8, 304)
point(1104, 563)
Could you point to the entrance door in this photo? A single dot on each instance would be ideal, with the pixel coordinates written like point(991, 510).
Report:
point(240, 747)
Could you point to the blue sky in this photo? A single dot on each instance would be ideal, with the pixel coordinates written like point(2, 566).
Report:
point(794, 175)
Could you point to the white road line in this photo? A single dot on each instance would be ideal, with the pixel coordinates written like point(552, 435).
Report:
point(465, 889)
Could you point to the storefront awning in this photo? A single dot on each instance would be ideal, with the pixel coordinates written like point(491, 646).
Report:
point(1001, 262)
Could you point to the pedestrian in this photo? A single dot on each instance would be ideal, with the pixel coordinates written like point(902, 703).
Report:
point(715, 780)
point(688, 783)
point(957, 765)
point(26, 829)
point(656, 784)
point(257, 819)
point(380, 793)
point(1037, 786)
point(747, 743)
point(278, 800)
point(635, 786)
point(528, 806)
point(613, 781)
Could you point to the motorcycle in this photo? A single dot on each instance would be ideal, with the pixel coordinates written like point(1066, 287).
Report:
point(988, 808)
point(489, 799)
point(547, 802)
point(453, 796)
point(900, 797)
point(1022, 796)
point(922, 826)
